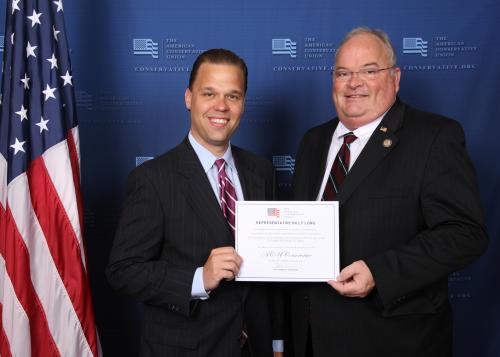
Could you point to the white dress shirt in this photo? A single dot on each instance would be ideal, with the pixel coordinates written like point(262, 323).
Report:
point(207, 160)
point(363, 134)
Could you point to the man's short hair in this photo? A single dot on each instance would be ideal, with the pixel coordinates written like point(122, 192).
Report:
point(218, 56)
point(380, 34)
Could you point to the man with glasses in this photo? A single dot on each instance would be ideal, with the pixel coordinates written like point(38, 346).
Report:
point(410, 214)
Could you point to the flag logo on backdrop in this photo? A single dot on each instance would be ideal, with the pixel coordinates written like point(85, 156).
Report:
point(45, 301)
point(284, 163)
point(415, 45)
point(145, 46)
point(284, 46)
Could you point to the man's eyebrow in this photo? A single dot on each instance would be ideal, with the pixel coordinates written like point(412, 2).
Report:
point(363, 66)
point(375, 64)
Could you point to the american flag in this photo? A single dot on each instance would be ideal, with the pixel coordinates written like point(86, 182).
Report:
point(273, 212)
point(45, 300)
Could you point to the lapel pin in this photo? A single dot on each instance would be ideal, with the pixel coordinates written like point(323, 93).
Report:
point(387, 143)
point(383, 129)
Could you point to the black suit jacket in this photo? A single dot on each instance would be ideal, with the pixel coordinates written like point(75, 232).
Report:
point(409, 208)
point(170, 223)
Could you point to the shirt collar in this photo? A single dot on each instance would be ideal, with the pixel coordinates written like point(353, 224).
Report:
point(206, 158)
point(361, 132)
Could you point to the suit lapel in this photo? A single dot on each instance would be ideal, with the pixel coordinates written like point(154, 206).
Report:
point(199, 194)
point(380, 144)
point(318, 164)
point(253, 186)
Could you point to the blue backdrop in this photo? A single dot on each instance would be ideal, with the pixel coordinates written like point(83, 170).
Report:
point(131, 62)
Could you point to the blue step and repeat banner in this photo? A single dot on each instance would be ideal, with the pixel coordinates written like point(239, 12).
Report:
point(131, 63)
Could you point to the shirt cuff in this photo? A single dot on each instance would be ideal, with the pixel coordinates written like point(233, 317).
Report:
point(278, 346)
point(198, 288)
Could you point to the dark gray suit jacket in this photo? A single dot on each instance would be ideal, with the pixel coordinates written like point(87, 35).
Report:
point(411, 210)
point(170, 222)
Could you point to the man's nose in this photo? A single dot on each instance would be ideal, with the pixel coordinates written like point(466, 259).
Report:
point(221, 104)
point(355, 80)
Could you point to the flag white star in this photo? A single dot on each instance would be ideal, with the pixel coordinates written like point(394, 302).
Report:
point(14, 5)
point(25, 80)
point(59, 5)
point(49, 92)
point(67, 79)
point(30, 50)
point(23, 113)
point(53, 62)
point(35, 18)
point(55, 32)
point(18, 146)
point(42, 124)
point(12, 38)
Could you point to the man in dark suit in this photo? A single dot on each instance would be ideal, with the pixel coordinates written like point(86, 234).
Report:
point(174, 247)
point(409, 215)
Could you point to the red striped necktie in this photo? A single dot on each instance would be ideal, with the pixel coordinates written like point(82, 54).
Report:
point(340, 168)
point(227, 194)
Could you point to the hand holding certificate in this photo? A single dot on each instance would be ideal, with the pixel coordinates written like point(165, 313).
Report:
point(287, 241)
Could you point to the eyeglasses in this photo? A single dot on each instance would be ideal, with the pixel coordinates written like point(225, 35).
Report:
point(366, 74)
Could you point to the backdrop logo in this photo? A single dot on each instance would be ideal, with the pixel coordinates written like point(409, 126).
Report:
point(84, 100)
point(284, 163)
point(2, 44)
point(176, 49)
point(145, 46)
point(315, 48)
point(142, 159)
point(441, 53)
point(284, 46)
point(415, 45)
point(450, 47)
point(305, 54)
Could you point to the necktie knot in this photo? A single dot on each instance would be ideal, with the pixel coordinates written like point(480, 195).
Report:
point(349, 138)
point(221, 164)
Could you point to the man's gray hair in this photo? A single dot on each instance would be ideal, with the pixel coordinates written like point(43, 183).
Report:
point(380, 34)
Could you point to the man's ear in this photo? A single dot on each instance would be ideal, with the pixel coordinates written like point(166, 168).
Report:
point(187, 98)
point(397, 77)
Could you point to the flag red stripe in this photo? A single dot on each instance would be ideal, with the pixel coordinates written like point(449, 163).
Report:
point(17, 266)
point(4, 343)
point(63, 246)
point(3, 226)
point(75, 168)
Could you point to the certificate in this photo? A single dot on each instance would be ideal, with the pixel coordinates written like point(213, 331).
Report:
point(287, 241)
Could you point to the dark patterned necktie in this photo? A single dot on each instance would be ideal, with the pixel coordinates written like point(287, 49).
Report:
point(340, 168)
point(228, 207)
point(227, 194)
